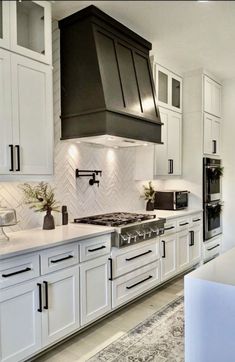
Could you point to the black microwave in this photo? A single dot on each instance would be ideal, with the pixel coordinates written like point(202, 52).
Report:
point(171, 200)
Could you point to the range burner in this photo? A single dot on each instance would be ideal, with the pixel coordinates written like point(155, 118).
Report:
point(129, 228)
point(115, 219)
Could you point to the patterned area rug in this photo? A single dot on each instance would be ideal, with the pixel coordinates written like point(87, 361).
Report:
point(160, 338)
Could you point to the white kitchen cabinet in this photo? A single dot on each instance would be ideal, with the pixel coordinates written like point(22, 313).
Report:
point(168, 155)
point(95, 289)
point(168, 88)
point(60, 315)
point(212, 96)
point(183, 250)
point(168, 247)
point(6, 135)
point(20, 327)
point(212, 135)
point(31, 29)
point(195, 244)
point(27, 132)
point(4, 24)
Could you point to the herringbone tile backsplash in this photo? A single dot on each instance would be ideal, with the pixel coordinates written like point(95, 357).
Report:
point(117, 192)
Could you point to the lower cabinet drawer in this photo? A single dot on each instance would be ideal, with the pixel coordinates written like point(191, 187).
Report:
point(211, 248)
point(95, 247)
point(196, 220)
point(133, 284)
point(142, 254)
point(170, 227)
point(59, 257)
point(18, 269)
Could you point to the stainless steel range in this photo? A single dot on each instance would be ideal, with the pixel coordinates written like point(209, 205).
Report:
point(130, 228)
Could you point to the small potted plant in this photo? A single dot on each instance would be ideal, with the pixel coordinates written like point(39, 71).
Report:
point(41, 198)
point(149, 196)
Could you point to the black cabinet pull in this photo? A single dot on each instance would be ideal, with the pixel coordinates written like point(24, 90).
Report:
point(15, 273)
point(46, 295)
point(184, 223)
point(213, 247)
point(169, 228)
point(164, 249)
point(170, 166)
point(12, 158)
point(142, 281)
point(61, 259)
point(196, 220)
point(18, 157)
point(40, 297)
point(111, 268)
point(214, 146)
point(101, 247)
point(139, 255)
point(191, 238)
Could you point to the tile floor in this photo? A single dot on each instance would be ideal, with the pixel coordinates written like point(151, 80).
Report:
point(83, 346)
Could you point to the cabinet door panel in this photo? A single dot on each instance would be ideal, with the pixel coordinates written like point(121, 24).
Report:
point(211, 135)
point(216, 136)
point(5, 24)
point(62, 315)
point(20, 327)
point(212, 97)
point(31, 29)
point(174, 141)
point(161, 151)
point(183, 250)
point(195, 249)
point(216, 99)
point(95, 289)
point(32, 114)
point(169, 256)
point(5, 112)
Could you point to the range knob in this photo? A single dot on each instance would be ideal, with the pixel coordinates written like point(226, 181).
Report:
point(155, 231)
point(148, 233)
point(140, 233)
point(124, 238)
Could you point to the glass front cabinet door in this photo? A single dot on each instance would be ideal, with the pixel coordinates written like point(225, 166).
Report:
point(31, 29)
point(4, 24)
point(168, 88)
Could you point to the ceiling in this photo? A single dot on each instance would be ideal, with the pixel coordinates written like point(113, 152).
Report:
point(186, 35)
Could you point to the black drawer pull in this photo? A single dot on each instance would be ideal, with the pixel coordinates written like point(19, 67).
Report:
point(191, 238)
point(169, 228)
point(111, 268)
point(46, 295)
point(62, 259)
point(17, 147)
point(12, 158)
point(196, 220)
point(142, 281)
point(213, 247)
point(139, 255)
point(15, 273)
point(101, 247)
point(164, 249)
point(184, 223)
point(40, 297)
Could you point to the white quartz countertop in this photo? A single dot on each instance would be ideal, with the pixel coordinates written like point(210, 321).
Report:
point(35, 239)
point(170, 214)
point(219, 270)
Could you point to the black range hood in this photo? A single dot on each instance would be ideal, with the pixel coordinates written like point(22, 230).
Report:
point(107, 89)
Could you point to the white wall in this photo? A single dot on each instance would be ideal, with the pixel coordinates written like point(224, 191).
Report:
point(117, 192)
point(228, 157)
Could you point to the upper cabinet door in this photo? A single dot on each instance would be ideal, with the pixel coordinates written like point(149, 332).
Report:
point(31, 29)
point(32, 116)
point(212, 97)
point(212, 134)
point(6, 146)
point(161, 151)
point(4, 24)
point(175, 143)
point(168, 88)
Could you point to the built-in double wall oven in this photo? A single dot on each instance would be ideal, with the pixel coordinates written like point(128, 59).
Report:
point(212, 172)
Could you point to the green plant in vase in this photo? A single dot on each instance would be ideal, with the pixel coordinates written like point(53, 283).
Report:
point(149, 196)
point(41, 198)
